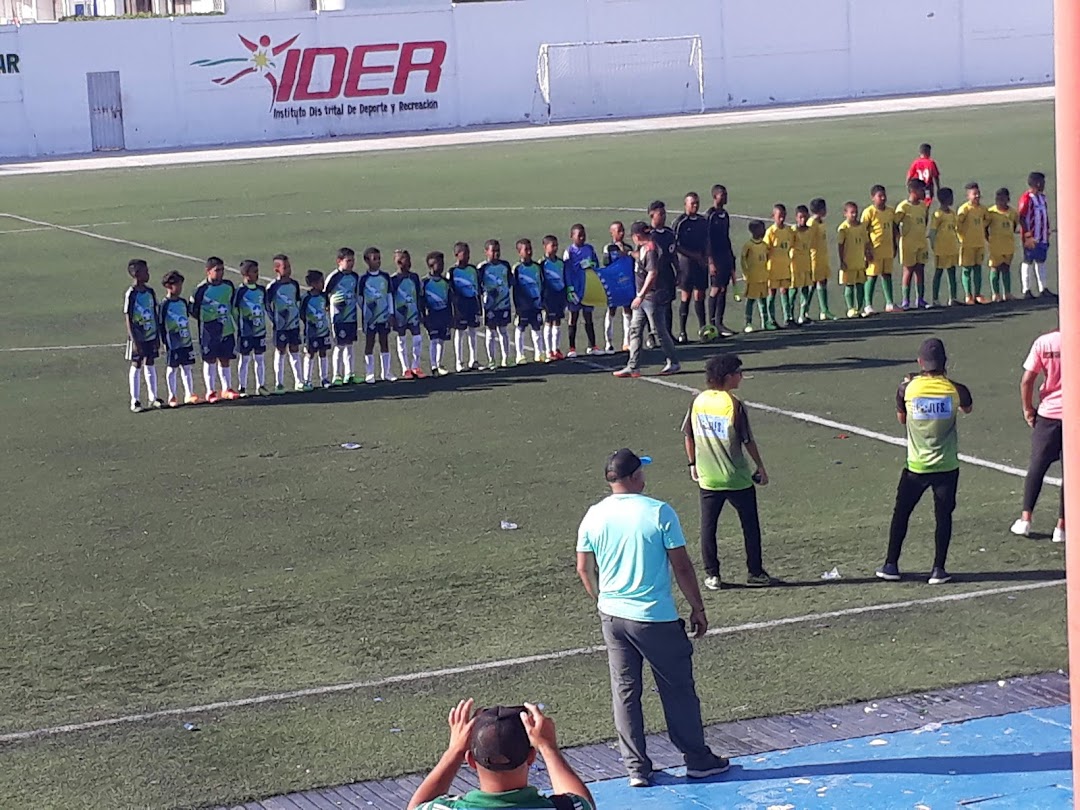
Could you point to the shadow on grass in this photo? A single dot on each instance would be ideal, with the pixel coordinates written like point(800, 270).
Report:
point(1039, 575)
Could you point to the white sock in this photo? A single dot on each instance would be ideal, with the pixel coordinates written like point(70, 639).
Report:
point(294, 363)
point(260, 371)
point(170, 381)
point(438, 352)
point(369, 364)
point(189, 384)
point(209, 375)
point(457, 347)
point(625, 329)
point(417, 348)
point(519, 344)
point(539, 349)
point(348, 357)
point(386, 365)
point(504, 344)
point(547, 335)
point(338, 353)
point(309, 361)
point(1025, 278)
point(242, 371)
point(433, 354)
point(492, 339)
point(226, 377)
point(401, 354)
point(609, 329)
point(133, 383)
point(279, 368)
point(1040, 275)
point(472, 346)
point(324, 366)
point(151, 382)
point(555, 339)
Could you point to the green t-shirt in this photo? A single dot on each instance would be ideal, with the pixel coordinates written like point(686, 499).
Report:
point(526, 797)
point(931, 402)
point(718, 423)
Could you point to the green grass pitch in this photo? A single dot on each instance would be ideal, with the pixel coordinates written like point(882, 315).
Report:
point(217, 553)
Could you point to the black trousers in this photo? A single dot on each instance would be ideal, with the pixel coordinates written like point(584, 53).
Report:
point(908, 494)
point(745, 503)
point(1046, 440)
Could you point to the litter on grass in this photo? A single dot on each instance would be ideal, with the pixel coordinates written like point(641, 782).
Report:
point(834, 574)
point(507, 525)
point(190, 727)
point(350, 446)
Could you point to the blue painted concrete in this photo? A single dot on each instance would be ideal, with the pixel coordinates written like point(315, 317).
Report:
point(1019, 761)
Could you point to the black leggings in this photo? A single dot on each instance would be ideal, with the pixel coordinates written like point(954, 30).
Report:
point(745, 503)
point(1045, 450)
point(908, 494)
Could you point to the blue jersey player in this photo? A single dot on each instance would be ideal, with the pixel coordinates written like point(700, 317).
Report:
point(341, 289)
point(315, 315)
point(405, 286)
point(495, 275)
point(250, 306)
point(174, 323)
point(554, 295)
point(140, 317)
point(437, 309)
point(212, 307)
point(377, 303)
point(528, 284)
point(579, 259)
point(613, 251)
point(465, 295)
point(283, 307)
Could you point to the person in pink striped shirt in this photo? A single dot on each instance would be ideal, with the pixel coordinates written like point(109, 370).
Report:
point(1043, 360)
point(1035, 234)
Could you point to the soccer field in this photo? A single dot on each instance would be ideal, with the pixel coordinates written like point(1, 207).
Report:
point(218, 554)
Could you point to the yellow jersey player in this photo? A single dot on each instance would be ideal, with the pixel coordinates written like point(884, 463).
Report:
point(802, 272)
point(853, 246)
point(971, 228)
point(914, 247)
point(946, 245)
point(1002, 223)
point(778, 242)
point(754, 264)
point(879, 221)
point(819, 257)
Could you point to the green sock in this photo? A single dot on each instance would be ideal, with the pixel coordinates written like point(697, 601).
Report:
point(868, 290)
point(905, 292)
point(1006, 281)
point(849, 296)
point(770, 306)
point(749, 312)
point(887, 288)
point(938, 275)
point(823, 299)
point(965, 279)
point(920, 287)
point(762, 312)
point(952, 282)
point(804, 293)
point(860, 296)
point(785, 304)
point(995, 280)
point(976, 282)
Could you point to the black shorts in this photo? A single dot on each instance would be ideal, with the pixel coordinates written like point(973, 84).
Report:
point(412, 328)
point(495, 318)
point(555, 305)
point(466, 315)
point(286, 337)
point(317, 345)
point(725, 271)
point(693, 275)
point(377, 328)
point(141, 350)
point(221, 348)
point(344, 333)
point(181, 357)
point(253, 345)
point(530, 320)
point(438, 323)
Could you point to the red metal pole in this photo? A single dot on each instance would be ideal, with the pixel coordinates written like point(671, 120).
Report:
point(1067, 79)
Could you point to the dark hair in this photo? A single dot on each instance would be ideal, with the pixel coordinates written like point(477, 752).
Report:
point(915, 184)
point(402, 252)
point(817, 205)
point(1035, 178)
point(874, 189)
point(657, 205)
point(780, 207)
point(1002, 192)
point(248, 264)
point(691, 195)
point(924, 149)
point(345, 253)
point(640, 228)
point(971, 185)
point(311, 276)
point(280, 257)
point(718, 188)
point(802, 209)
point(719, 367)
point(460, 247)
point(577, 226)
point(551, 239)
point(618, 222)
point(371, 253)
point(757, 228)
point(523, 242)
point(492, 243)
point(213, 262)
point(433, 258)
point(851, 204)
point(172, 277)
point(945, 195)
point(135, 265)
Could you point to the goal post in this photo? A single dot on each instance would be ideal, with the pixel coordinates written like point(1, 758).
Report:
point(621, 78)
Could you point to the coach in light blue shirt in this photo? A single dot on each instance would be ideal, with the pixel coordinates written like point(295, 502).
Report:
point(628, 547)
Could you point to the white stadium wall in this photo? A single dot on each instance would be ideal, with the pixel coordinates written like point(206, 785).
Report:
point(217, 80)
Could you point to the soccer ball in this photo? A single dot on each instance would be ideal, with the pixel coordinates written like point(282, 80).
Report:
point(709, 332)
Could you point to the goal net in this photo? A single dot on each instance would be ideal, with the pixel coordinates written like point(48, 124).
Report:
point(618, 79)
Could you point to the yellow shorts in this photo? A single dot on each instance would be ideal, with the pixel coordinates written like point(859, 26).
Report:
point(776, 281)
point(802, 278)
point(910, 257)
point(756, 290)
point(849, 277)
point(970, 257)
point(822, 271)
point(945, 262)
point(998, 259)
point(882, 265)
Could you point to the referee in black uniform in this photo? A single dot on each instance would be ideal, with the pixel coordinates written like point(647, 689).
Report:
point(664, 240)
point(721, 258)
point(691, 249)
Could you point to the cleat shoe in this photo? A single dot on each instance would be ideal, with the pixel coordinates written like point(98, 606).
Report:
point(352, 379)
point(650, 342)
point(505, 363)
point(230, 394)
point(136, 406)
point(933, 304)
point(748, 328)
point(969, 300)
point(609, 349)
point(571, 354)
point(262, 392)
point(801, 321)
point(890, 308)
point(724, 332)
point(905, 305)
point(280, 389)
point(369, 379)
point(442, 372)
point(337, 381)
point(921, 304)
point(771, 326)
point(1048, 293)
point(762, 580)
point(980, 299)
point(593, 350)
point(682, 339)
point(1028, 294)
point(669, 369)
point(939, 576)
point(1021, 527)
point(994, 298)
point(307, 387)
point(868, 310)
point(560, 356)
point(242, 392)
point(853, 313)
point(157, 404)
point(639, 781)
point(418, 373)
point(712, 583)
point(192, 399)
point(299, 386)
point(523, 361)
point(954, 303)
point(890, 573)
point(719, 766)
point(626, 373)
point(459, 367)
point(174, 402)
point(391, 378)
point(408, 375)
point(328, 383)
point(492, 366)
point(213, 397)
point(474, 366)
point(1059, 535)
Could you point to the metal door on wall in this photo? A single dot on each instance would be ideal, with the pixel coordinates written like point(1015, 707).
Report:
point(106, 112)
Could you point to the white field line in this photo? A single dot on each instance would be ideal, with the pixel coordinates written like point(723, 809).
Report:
point(830, 423)
point(80, 347)
point(486, 666)
point(953, 102)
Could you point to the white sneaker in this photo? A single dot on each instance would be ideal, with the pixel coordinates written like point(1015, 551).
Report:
point(890, 308)
point(591, 351)
point(391, 378)
point(609, 349)
point(712, 583)
point(1021, 527)
point(571, 354)
point(459, 367)
point(370, 378)
point(1059, 535)
point(869, 310)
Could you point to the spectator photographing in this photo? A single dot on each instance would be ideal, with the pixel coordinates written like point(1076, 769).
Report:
point(628, 547)
point(500, 744)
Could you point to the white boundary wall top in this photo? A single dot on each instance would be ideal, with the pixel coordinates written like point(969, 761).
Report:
point(203, 81)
